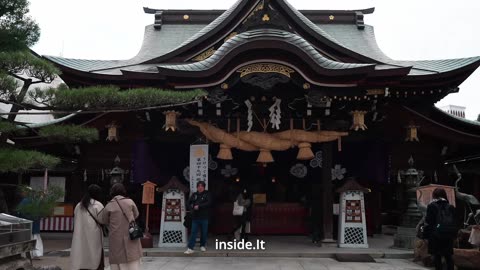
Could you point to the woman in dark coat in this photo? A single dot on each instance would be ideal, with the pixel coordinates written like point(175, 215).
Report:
point(440, 233)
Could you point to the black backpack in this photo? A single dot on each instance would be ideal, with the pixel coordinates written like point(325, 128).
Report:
point(445, 227)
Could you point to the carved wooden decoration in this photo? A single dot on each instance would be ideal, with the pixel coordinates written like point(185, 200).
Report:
point(204, 55)
point(266, 68)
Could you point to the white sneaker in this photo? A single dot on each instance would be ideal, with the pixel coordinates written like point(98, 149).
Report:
point(189, 251)
point(203, 249)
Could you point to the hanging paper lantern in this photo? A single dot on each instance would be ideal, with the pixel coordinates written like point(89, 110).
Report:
point(112, 132)
point(412, 133)
point(171, 120)
point(265, 156)
point(305, 151)
point(358, 120)
point(225, 152)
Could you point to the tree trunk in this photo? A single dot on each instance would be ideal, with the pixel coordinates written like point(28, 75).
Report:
point(15, 108)
point(21, 96)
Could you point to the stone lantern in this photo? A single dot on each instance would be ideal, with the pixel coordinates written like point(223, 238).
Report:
point(116, 174)
point(406, 232)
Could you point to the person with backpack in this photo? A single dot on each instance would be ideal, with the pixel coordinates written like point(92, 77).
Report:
point(440, 229)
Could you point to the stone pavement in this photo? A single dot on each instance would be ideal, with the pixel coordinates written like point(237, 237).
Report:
point(276, 246)
point(237, 263)
point(283, 253)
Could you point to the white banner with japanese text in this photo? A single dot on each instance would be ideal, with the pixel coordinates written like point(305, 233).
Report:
point(198, 165)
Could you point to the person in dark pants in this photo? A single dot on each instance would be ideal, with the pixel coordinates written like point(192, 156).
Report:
point(199, 204)
point(440, 229)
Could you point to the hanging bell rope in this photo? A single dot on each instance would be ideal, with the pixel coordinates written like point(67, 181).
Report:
point(304, 148)
point(265, 156)
point(305, 151)
point(225, 151)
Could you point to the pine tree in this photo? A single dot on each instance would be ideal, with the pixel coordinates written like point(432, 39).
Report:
point(19, 70)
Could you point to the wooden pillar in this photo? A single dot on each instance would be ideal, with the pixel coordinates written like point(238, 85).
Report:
point(327, 193)
point(476, 186)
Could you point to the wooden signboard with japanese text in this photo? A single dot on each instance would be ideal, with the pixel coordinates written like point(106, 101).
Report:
point(148, 195)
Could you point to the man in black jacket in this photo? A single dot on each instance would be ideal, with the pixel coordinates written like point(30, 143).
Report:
point(199, 204)
point(440, 229)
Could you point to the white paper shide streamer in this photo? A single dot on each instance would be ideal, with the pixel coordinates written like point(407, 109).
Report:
point(250, 115)
point(276, 114)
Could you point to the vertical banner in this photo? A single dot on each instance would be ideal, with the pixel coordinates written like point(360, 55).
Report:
point(198, 165)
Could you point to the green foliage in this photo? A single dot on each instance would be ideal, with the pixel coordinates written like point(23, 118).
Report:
point(8, 86)
point(17, 30)
point(24, 63)
point(15, 160)
point(7, 127)
point(110, 98)
point(69, 133)
point(39, 204)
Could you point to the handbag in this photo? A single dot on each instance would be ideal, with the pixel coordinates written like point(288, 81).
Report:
point(421, 232)
point(237, 209)
point(134, 230)
point(187, 222)
point(103, 227)
point(475, 236)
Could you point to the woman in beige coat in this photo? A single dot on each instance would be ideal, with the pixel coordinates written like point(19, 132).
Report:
point(87, 241)
point(124, 254)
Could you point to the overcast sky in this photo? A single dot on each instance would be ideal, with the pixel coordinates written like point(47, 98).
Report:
point(405, 30)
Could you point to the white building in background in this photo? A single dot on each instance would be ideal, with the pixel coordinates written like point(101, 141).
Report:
point(458, 111)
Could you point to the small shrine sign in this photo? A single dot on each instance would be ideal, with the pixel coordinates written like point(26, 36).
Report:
point(352, 229)
point(172, 231)
point(148, 195)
